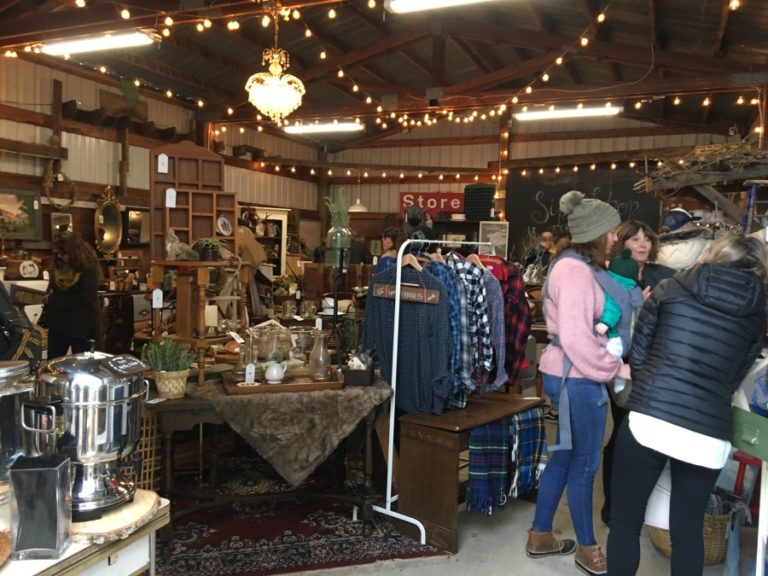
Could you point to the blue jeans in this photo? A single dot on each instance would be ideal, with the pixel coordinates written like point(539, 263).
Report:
point(575, 468)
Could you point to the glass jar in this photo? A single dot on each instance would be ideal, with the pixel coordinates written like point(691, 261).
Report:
point(320, 358)
point(336, 240)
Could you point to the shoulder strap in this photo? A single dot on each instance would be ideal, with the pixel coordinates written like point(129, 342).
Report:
point(629, 301)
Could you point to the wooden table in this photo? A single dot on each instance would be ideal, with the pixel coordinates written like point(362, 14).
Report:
point(132, 555)
point(428, 473)
point(293, 431)
point(176, 416)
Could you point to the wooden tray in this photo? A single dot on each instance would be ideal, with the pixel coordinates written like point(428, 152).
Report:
point(295, 380)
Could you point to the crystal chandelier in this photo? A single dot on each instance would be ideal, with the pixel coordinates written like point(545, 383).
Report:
point(274, 93)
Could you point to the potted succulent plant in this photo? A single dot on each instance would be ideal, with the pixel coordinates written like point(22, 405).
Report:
point(170, 360)
point(208, 248)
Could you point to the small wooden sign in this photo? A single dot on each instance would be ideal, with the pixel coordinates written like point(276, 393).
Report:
point(408, 293)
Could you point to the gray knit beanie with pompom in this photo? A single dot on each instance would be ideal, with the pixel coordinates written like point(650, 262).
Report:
point(588, 218)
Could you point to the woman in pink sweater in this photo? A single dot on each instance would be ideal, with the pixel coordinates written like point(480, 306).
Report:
point(575, 368)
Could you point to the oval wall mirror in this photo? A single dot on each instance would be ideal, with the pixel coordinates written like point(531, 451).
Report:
point(108, 223)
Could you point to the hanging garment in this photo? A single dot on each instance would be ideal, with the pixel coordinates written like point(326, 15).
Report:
point(488, 466)
point(481, 349)
point(528, 441)
point(452, 286)
point(424, 352)
point(496, 318)
point(517, 316)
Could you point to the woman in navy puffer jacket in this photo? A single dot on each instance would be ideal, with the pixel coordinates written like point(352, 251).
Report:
point(695, 339)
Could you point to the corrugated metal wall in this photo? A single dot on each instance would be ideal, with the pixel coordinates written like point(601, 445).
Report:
point(29, 86)
point(551, 148)
point(379, 197)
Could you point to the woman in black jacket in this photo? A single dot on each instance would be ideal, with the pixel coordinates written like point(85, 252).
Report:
point(643, 243)
point(695, 339)
point(72, 314)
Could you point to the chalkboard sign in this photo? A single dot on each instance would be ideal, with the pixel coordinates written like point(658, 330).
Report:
point(533, 202)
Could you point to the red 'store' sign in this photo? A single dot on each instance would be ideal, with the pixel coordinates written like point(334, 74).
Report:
point(433, 202)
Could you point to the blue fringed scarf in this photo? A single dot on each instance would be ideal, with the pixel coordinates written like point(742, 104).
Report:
point(528, 439)
point(488, 466)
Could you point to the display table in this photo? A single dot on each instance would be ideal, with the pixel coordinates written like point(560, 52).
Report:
point(428, 473)
point(123, 557)
point(294, 431)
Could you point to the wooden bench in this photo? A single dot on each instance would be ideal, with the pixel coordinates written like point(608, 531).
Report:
point(428, 470)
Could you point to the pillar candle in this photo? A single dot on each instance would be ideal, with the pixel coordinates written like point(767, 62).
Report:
point(211, 315)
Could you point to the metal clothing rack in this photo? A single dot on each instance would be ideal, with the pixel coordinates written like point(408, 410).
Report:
point(387, 508)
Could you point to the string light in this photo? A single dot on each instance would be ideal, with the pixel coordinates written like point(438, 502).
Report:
point(676, 101)
point(125, 14)
point(168, 21)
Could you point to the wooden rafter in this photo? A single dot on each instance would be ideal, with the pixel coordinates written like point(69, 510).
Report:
point(382, 31)
point(545, 25)
point(653, 21)
point(612, 51)
point(600, 32)
point(718, 49)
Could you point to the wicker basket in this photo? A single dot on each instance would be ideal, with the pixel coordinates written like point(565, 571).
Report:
point(715, 542)
point(171, 384)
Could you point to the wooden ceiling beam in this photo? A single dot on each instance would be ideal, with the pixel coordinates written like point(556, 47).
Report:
point(388, 44)
point(341, 50)
point(474, 56)
point(382, 31)
point(718, 49)
point(610, 51)
point(655, 87)
point(501, 76)
point(600, 32)
point(653, 22)
point(546, 26)
point(635, 132)
point(438, 57)
point(95, 19)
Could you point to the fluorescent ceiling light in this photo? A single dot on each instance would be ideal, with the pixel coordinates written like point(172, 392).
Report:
point(97, 43)
point(568, 113)
point(324, 128)
point(406, 6)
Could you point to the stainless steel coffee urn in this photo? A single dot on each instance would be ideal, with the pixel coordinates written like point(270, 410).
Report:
point(15, 387)
point(87, 406)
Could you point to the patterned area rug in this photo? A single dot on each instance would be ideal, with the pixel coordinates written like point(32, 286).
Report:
point(276, 537)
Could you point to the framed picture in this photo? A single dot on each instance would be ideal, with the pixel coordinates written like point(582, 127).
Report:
point(20, 214)
point(497, 233)
point(375, 246)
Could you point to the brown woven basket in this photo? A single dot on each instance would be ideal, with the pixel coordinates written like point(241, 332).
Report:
point(715, 542)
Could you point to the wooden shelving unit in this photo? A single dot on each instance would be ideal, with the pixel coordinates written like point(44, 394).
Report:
point(197, 213)
point(197, 175)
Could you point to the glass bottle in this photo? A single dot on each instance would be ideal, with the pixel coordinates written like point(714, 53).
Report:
point(337, 242)
point(320, 358)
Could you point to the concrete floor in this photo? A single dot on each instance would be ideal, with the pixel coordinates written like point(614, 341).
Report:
point(495, 546)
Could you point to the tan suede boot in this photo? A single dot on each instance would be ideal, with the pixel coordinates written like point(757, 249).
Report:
point(542, 544)
point(591, 560)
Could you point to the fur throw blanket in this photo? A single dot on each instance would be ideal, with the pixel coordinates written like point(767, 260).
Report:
point(296, 432)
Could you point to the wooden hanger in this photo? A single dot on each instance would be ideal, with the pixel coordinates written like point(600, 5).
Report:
point(475, 259)
point(410, 260)
point(438, 257)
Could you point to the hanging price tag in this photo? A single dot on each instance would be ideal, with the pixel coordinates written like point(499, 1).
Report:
point(250, 373)
point(236, 337)
point(157, 298)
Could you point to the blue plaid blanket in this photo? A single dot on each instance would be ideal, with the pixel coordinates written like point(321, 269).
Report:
point(488, 466)
point(527, 439)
